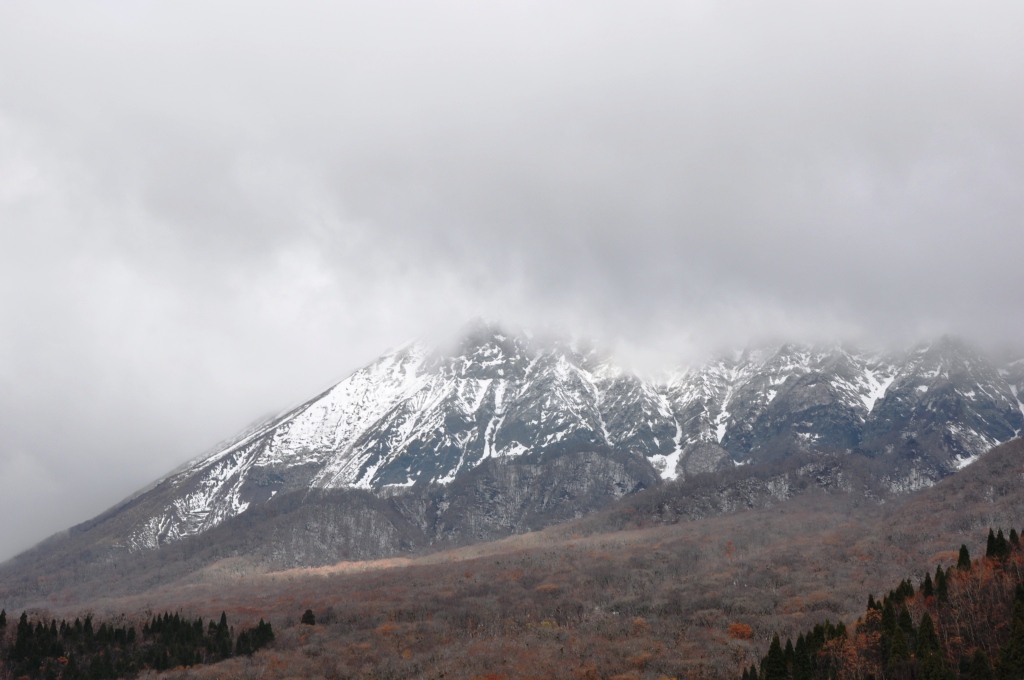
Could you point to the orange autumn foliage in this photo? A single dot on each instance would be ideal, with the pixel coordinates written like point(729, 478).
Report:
point(740, 631)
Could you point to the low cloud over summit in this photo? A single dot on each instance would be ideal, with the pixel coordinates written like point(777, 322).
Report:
point(208, 211)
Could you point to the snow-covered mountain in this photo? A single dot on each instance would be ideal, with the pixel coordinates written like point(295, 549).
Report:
point(762, 402)
point(418, 417)
point(503, 434)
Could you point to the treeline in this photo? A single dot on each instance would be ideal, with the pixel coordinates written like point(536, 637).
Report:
point(80, 649)
point(965, 623)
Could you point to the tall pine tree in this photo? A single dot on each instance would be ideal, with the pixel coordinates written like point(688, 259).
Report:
point(906, 624)
point(964, 561)
point(981, 667)
point(941, 585)
point(803, 666)
point(899, 653)
point(1002, 546)
point(775, 662)
point(932, 665)
point(927, 589)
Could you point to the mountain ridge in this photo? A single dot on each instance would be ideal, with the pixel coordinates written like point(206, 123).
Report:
point(506, 433)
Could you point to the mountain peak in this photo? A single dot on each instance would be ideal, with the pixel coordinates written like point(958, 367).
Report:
point(420, 416)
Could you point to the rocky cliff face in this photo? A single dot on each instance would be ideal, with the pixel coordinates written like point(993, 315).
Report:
point(417, 417)
point(931, 410)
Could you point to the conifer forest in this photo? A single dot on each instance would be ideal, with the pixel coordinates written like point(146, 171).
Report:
point(965, 623)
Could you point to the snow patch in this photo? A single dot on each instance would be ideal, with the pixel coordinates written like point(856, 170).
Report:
point(666, 464)
point(1020, 405)
point(961, 463)
point(876, 388)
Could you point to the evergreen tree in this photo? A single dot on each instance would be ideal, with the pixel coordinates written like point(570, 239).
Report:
point(218, 640)
point(789, 655)
point(23, 642)
point(906, 589)
point(926, 588)
point(990, 545)
point(927, 638)
point(263, 635)
point(964, 562)
point(775, 662)
point(941, 586)
point(871, 602)
point(899, 651)
point(243, 646)
point(803, 669)
point(1001, 548)
point(932, 665)
point(3, 619)
point(981, 668)
point(888, 620)
point(309, 618)
point(906, 624)
point(1014, 539)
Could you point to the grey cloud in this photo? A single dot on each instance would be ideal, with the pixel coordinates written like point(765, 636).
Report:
point(210, 210)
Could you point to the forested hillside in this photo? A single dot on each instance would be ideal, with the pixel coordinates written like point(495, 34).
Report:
point(657, 587)
point(86, 650)
point(966, 623)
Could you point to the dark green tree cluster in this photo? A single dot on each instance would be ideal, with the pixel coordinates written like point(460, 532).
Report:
point(69, 651)
point(797, 662)
point(999, 547)
point(937, 587)
point(905, 651)
point(176, 641)
point(909, 651)
point(252, 639)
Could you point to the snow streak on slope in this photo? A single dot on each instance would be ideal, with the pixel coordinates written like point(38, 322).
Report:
point(877, 384)
point(212, 490)
point(417, 416)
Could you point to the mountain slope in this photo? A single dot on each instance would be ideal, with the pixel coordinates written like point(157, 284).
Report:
point(416, 417)
point(680, 599)
point(504, 434)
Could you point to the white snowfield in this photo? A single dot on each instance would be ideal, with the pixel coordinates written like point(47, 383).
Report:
point(416, 416)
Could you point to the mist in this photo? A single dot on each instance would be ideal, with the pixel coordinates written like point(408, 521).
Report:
point(210, 211)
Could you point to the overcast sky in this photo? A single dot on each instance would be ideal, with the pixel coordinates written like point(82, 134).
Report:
point(211, 210)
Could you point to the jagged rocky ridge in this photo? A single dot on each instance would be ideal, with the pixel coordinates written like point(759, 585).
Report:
point(507, 434)
point(418, 417)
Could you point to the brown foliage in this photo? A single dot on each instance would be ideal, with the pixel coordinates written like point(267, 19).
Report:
point(740, 631)
point(561, 603)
